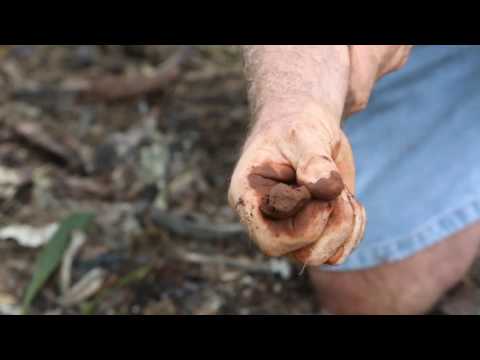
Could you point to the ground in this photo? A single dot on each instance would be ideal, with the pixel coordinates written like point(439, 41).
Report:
point(145, 137)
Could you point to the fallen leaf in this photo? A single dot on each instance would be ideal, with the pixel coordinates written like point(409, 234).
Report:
point(76, 244)
point(88, 286)
point(29, 236)
point(10, 309)
point(9, 181)
point(7, 299)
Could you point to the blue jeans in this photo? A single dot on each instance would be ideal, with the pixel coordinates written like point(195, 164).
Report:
point(417, 151)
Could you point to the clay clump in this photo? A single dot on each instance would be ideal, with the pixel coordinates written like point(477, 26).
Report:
point(284, 201)
point(327, 189)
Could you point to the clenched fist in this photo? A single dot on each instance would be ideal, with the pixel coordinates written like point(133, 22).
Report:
point(294, 190)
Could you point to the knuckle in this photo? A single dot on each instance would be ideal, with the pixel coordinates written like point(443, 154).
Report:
point(399, 64)
point(360, 101)
point(403, 62)
point(401, 59)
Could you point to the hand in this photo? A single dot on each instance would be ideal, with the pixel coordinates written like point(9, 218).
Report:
point(294, 189)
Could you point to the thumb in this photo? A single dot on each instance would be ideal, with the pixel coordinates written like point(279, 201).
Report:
point(319, 173)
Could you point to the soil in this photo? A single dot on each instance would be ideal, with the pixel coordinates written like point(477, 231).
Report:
point(172, 149)
point(284, 201)
point(327, 189)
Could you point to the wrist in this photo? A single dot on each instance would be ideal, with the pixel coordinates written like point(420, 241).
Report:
point(289, 82)
point(298, 111)
point(310, 119)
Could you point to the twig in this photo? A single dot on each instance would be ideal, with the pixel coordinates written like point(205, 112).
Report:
point(114, 88)
point(200, 230)
point(65, 150)
point(273, 266)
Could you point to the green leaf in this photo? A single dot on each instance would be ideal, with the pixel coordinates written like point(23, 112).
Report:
point(51, 256)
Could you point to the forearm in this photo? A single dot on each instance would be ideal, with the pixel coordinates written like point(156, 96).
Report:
point(285, 80)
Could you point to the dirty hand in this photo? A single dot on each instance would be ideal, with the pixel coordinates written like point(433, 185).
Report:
point(293, 189)
point(294, 184)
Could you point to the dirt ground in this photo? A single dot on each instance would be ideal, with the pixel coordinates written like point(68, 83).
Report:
point(145, 137)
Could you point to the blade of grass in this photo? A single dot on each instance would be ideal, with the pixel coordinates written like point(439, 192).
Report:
point(51, 256)
point(134, 276)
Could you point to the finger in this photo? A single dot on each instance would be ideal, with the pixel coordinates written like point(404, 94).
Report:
point(274, 171)
point(336, 233)
point(281, 217)
point(280, 197)
point(364, 224)
point(280, 237)
point(346, 163)
point(284, 201)
point(320, 175)
point(335, 258)
point(355, 237)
